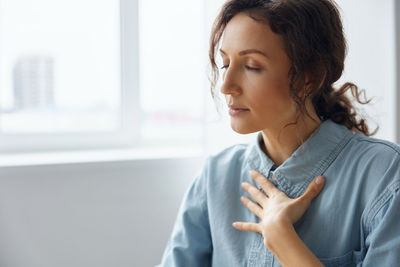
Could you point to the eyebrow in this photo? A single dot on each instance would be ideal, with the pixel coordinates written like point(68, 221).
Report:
point(248, 51)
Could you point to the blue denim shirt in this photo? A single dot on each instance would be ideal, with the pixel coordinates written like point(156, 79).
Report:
point(354, 221)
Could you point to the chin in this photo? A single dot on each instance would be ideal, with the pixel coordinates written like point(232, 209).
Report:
point(242, 129)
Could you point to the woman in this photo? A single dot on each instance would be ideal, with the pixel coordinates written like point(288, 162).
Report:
point(320, 191)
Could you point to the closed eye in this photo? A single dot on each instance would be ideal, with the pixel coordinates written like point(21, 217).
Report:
point(253, 69)
point(247, 67)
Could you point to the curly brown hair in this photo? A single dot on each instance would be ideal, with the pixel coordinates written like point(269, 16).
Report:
point(315, 44)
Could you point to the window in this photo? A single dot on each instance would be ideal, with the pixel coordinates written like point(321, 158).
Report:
point(59, 73)
point(173, 54)
point(96, 74)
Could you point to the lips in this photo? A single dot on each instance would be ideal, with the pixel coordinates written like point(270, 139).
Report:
point(236, 110)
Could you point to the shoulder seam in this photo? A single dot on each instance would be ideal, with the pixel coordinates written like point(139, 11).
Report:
point(383, 142)
point(380, 202)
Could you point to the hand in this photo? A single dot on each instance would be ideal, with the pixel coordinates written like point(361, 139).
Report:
point(277, 210)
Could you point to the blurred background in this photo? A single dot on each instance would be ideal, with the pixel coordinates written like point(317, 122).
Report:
point(106, 117)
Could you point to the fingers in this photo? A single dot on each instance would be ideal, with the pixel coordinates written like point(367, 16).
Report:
point(265, 184)
point(313, 189)
point(253, 207)
point(246, 226)
point(258, 196)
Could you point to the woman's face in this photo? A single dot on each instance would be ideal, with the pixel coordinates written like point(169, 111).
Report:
point(255, 81)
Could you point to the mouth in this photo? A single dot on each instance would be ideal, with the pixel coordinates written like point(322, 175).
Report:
point(235, 111)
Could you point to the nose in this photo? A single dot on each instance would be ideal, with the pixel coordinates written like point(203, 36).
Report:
point(230, 82)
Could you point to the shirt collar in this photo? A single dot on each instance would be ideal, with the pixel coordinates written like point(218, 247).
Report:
point(306, 162)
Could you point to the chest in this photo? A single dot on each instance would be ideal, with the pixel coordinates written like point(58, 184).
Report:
point(330, 228)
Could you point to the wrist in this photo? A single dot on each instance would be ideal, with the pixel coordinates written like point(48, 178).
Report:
point(279, 235)
point(288, 248)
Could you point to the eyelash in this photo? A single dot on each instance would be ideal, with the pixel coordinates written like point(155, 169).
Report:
point(249, 68)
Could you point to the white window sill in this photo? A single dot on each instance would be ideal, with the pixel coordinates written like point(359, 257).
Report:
point(93, 156)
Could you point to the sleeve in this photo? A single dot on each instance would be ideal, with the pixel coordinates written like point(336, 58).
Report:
point(383, 240)
point(190, 242)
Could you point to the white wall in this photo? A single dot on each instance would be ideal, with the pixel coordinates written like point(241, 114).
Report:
point(90, 214)
point(371, 61)
point(121, 213)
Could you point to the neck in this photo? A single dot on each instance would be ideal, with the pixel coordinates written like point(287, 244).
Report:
point(280, 142)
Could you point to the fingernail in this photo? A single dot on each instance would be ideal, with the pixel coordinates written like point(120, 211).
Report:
point(252, 172)
point(234, 224)
point(319, 180)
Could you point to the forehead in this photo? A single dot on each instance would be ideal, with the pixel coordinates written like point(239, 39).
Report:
point(243, 32)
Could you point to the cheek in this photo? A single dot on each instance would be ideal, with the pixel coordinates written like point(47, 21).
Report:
point(272, 94)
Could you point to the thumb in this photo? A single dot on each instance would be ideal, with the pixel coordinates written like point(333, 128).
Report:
point(313, 189)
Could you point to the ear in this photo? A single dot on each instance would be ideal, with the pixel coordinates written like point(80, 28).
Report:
point(308, 84)
point(311, 81)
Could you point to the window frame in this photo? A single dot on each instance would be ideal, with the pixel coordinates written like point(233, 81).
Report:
point(128, 134)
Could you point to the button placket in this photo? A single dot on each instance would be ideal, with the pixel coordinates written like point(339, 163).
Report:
point(253, 252)
point(260, 256)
